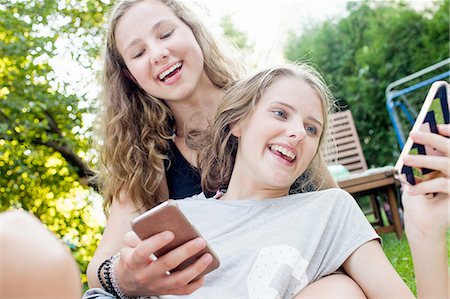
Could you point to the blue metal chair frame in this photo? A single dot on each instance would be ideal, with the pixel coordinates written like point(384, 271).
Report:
point(396, 98)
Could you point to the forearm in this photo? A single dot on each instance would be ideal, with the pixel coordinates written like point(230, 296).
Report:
point(112, 241)
point(429, 252)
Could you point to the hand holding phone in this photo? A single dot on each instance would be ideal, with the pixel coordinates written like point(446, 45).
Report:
point(434, 112)
point(168, 216)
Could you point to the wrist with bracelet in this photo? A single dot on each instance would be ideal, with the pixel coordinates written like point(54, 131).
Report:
point(107, 276)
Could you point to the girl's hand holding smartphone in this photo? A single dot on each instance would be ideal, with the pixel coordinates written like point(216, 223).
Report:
point(168, 217)
point(424, 165)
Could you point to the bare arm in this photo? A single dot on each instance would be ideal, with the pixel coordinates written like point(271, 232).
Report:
point(429, 253)
point(373, 272)
point(121, 213)
point(332, 286)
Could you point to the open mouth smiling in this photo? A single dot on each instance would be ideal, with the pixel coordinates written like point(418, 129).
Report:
point(282, 152)
point(170, 72)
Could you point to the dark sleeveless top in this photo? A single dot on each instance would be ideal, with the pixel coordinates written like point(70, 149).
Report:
point(183, 179)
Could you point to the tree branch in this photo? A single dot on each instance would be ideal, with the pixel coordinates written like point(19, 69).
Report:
point(3, 115)
point(52, 123)
point(83, 170)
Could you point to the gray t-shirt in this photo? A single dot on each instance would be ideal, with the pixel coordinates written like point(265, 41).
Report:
point(273, 248)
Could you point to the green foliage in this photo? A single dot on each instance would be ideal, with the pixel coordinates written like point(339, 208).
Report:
point(45, 144)
point(378, 42)
point(236, 37)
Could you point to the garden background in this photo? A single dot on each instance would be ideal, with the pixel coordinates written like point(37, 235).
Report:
point(48, 146)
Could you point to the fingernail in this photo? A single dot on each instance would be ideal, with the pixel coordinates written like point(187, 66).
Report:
point(407, 158)
point(200, 242)
point(168, 235)
point(207, 259)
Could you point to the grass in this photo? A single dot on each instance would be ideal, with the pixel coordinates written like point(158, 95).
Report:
point(399, 255)
point(397, 251)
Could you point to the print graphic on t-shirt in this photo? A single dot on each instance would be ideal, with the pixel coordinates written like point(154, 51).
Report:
point(278, 272)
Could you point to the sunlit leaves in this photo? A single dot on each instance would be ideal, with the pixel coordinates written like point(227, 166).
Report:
point(45, 142)
point(237, 37)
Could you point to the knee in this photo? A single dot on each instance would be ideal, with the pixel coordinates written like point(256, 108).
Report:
point(16, 224)
point(17, 217)
point(32, 252)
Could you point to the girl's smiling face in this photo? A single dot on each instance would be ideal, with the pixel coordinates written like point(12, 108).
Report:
point(160, 51)
point(279, 139)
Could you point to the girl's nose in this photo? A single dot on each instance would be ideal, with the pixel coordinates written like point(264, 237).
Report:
point(296, 133)
point(159, 55)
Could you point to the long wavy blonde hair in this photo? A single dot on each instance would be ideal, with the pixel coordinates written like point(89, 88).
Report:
point(138, 126)
point(218, 147)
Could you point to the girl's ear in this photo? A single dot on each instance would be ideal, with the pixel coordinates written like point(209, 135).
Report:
point(236, 129)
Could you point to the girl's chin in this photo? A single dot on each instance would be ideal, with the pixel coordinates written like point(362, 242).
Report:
point(282, 181)
point(282, 187)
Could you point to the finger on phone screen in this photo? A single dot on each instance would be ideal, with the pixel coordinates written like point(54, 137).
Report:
point(437, 141)
point(438, 185)
point(439, 163)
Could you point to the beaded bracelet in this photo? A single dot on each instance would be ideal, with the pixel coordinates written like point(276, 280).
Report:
point(109, 279)
point(105, 279)
point(99, 273)
point(114, 281)
point(110, 288)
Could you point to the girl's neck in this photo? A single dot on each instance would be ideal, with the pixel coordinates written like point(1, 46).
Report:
point(250, 190)
point(197, 110)
point(245, 184)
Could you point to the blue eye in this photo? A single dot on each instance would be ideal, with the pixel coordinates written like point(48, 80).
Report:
point(280, 113)
point(311, 130)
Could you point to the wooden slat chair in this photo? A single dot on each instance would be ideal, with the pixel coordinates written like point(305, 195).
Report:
point(345, 138)
point(346, 150)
